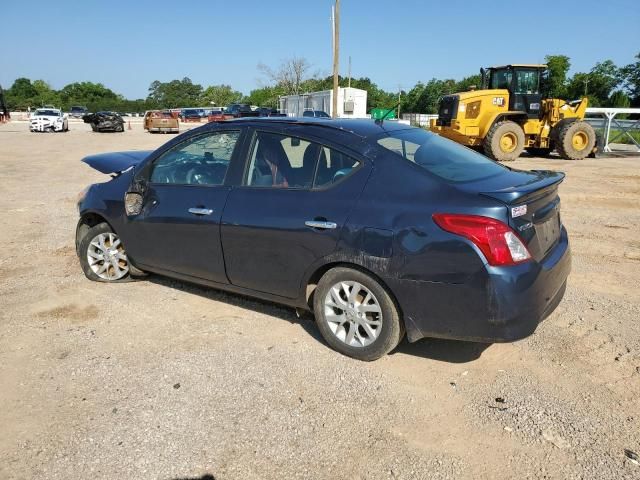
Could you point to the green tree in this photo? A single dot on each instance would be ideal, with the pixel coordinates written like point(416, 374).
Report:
point(466, 83)
point(598, 84)
point(21, 95)
point(220, 95)
point(424, 98)
point(45, 95)
point(631, 76)
point(94, 96)
point(556, 82)
point(265, 96)
point(174, 94)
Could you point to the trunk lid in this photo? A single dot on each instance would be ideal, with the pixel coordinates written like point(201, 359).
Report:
point(116, 162)
point(533, 204)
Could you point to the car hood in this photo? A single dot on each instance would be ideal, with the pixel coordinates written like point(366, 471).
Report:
point(116, 162)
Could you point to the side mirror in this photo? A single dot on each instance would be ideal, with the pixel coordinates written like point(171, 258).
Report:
point(132, 203)
point(134, 198)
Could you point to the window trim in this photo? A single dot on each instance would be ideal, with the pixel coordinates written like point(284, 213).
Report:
point(193, 138)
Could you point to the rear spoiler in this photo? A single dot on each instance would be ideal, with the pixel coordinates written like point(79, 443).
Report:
point(545, 184)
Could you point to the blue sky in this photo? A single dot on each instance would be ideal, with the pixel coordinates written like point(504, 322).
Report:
point(128, 44)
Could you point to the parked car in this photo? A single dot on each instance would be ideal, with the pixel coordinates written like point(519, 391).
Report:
point(191, 114)
point(105, 121)
point(49, 120)
point(379, 228)
point(78, 111)
point(269, 112)
point(156, 121)
point(315, 114)
point(240, 110)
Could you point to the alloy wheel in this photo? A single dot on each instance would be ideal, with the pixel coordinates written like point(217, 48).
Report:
point(107, 258)
point(353, 313)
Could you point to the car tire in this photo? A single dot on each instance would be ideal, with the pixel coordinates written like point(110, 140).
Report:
point(504, 142)
point(97, 241)
point(369, 326)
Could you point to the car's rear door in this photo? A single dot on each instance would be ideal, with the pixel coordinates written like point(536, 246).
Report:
point(178, 229)
point(289, 212)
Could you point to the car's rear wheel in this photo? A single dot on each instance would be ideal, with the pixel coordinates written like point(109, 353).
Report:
point(356, 315)
point(102, 255)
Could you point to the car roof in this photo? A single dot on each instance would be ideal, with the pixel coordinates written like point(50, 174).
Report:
point(362, 127)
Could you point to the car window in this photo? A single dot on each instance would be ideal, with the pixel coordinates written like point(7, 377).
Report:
point(280, 161)
point(441, 157)
point(202, 160)
point(333, 167)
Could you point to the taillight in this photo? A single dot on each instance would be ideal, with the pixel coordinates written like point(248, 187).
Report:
point(496, 240)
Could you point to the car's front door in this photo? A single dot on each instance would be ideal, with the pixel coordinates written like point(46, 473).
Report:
point(178, 229)
point(289, 212)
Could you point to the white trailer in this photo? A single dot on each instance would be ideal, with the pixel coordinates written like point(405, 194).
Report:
point(352, 103)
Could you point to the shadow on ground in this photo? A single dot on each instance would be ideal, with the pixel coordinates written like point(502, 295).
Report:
point(206, 476)
point(450, 351)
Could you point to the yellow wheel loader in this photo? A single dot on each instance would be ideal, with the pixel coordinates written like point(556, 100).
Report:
point(509, 115)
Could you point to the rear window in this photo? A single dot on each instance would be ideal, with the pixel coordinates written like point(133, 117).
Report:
point(440, 156)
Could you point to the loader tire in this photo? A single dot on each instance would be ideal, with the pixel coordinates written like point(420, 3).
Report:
point(504, 142)
point(538, 152)
point(576, 140)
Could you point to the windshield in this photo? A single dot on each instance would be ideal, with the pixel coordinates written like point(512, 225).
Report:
point(48, 113)
point(439, 156)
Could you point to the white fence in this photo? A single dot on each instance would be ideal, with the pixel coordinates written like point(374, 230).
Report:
point(623, 127)
point(420, 119)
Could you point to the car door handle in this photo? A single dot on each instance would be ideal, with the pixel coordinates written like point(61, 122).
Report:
point(200, 211)
point(322, 225)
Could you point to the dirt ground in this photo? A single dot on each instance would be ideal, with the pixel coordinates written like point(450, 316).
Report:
point(158, 379)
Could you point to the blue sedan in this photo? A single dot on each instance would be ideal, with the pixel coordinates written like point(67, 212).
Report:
point(378, 228)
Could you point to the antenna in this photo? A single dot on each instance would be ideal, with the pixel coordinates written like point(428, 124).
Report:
point(386, 114)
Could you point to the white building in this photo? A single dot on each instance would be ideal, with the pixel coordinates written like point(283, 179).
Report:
point(352, 103)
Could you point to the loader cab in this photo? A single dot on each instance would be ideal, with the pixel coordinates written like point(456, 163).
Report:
point(523, 83)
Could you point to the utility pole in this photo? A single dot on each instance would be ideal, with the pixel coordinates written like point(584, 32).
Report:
point(399, 95)
point(349, 71)
point(336, 51)
point(586, 82)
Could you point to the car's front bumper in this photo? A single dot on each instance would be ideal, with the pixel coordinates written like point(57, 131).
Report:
point(500, 304)
point(36, 126)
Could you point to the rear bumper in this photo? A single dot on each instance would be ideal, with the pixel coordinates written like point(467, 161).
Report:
point(164, 129)
point(499, 304)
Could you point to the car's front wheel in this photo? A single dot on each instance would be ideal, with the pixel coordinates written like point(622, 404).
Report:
point(356, 315)
point(102, 255)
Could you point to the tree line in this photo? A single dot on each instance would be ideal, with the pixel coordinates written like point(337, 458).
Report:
point(606, 85)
